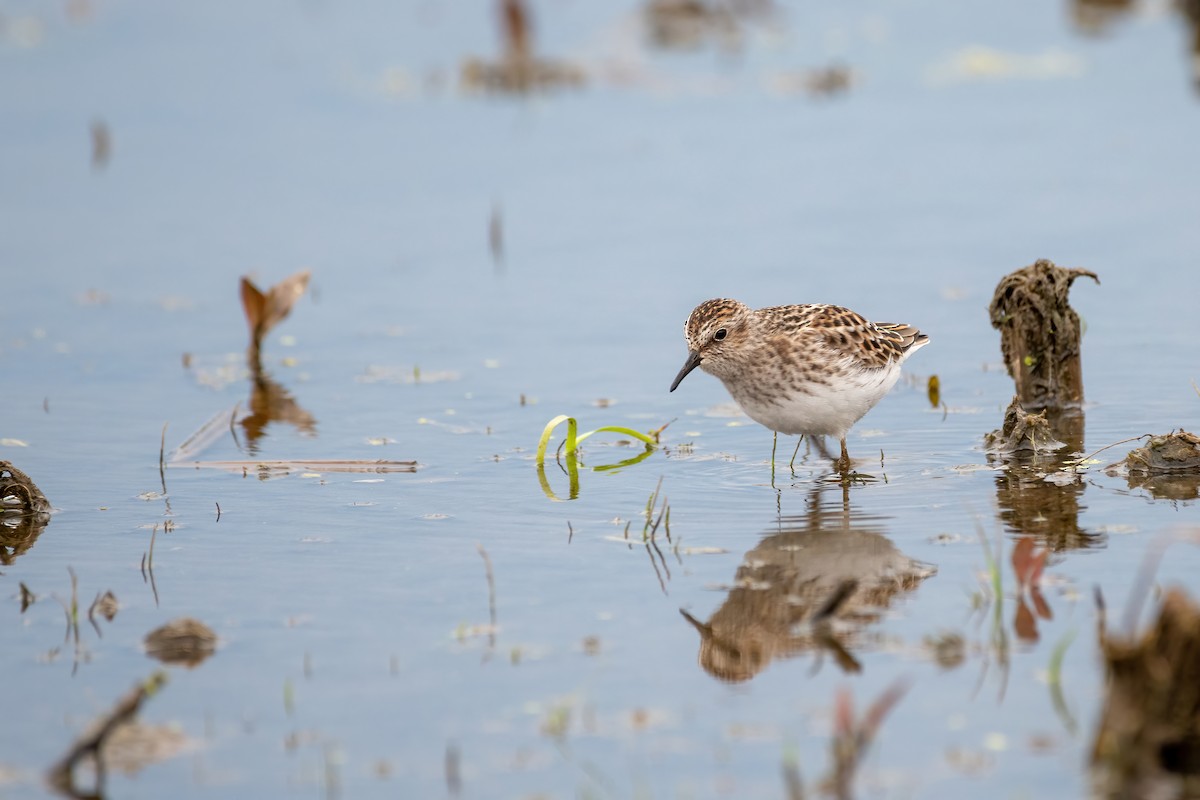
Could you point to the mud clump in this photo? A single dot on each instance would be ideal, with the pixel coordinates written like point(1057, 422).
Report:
point(19, 493)
point(1022, 432)
point(1168, 466)
point(1040, 334)
point(1148, 740)
point(24, 512)
point(1174, 453)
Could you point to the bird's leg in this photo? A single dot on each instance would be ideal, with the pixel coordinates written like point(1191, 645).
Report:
point(774, 444)
point(792, 463)
point(842, 465)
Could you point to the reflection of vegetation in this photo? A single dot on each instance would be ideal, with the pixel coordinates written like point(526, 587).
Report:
point(92, 743)
point(570, 450)
point(1054, 679)
point(851, 739)
point(1038, 499)
point(650, 532)
point(272, 402)
point(104, 605)
point(1028, 563)
point(992, 596)
point(18, 534)
point(71, 610)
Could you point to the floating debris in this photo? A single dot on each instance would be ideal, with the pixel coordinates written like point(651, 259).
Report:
point(1034, 502)
point(1174, 453)
point(518, 71)
point(1028, 563)
point(1167, 466)
point(184, 641)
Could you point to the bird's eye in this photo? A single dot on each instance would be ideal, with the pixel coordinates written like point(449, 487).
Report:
point(720, 334)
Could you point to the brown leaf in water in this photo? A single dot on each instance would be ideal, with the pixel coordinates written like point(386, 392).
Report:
point(265, 310)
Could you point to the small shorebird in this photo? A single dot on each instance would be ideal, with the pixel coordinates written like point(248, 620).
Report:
point(808, 369)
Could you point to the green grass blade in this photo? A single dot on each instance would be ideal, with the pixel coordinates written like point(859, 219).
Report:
point(572, 442)
point(643, 437)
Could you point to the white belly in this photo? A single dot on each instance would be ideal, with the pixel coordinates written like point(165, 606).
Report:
point(820, 410)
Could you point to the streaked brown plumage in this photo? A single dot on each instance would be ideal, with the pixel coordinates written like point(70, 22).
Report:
point(809, 369)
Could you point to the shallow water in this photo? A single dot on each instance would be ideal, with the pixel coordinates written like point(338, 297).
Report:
point(357, 653)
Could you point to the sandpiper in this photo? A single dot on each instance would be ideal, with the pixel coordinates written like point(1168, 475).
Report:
point(809, 369)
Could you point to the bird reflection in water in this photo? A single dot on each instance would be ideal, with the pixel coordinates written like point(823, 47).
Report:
point(815, 585)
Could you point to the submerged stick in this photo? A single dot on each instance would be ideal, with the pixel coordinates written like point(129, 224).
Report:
point(162, 447)
point(491, 583)
point(314, 465)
